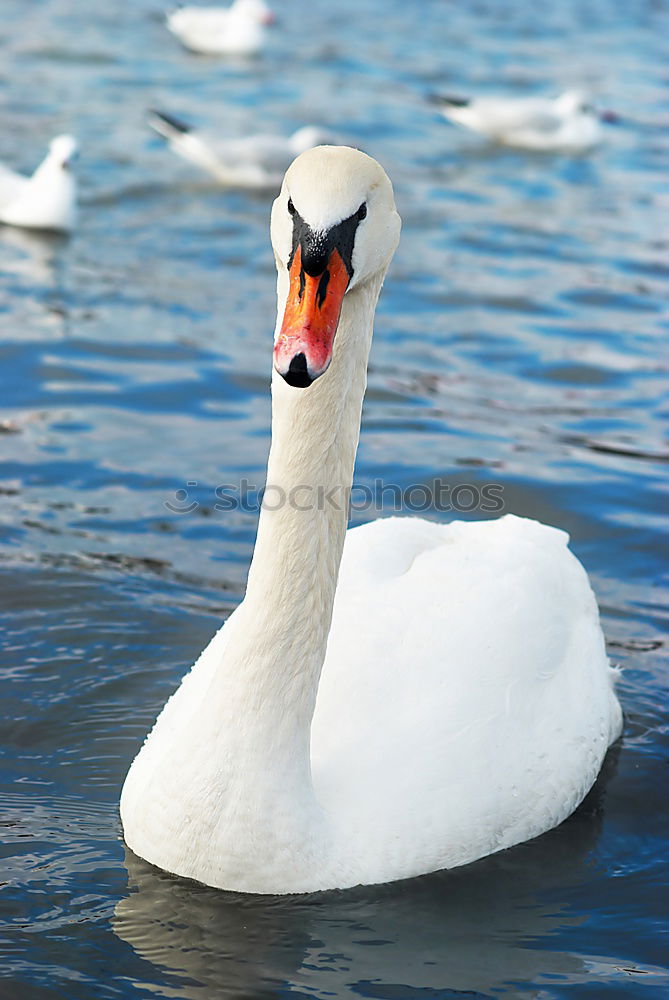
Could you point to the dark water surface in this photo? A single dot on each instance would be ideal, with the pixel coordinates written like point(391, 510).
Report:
point(521, 341)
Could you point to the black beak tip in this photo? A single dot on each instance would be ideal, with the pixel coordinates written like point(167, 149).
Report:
point(298, 374)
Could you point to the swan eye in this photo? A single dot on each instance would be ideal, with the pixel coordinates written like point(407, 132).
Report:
point(291, 207)
point(362, 212)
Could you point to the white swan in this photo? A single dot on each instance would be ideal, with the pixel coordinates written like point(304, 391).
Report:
point(47, 199)
point(465, 701)
point(566, 123)
point(253, 161)
point(235, 30)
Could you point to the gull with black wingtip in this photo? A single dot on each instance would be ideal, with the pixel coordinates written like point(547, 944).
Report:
point(568, 123)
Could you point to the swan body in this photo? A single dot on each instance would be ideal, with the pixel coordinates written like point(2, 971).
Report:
point(235, 30)
point(254, 161)
point(48, 198)
point(567, 123)
point(388, 701)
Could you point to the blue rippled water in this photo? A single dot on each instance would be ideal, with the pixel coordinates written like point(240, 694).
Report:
point(521, 341)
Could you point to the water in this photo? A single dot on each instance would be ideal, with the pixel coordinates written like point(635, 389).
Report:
point(521, 342)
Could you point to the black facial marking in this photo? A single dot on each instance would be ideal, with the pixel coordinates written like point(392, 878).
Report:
point(317, 246)
point(302, 284)
point(315, 251)
point(322, 287)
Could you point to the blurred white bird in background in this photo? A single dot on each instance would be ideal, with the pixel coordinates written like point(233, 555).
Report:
point(47, 199)
point(566, 123)
point(254, 161)
point(235, 30)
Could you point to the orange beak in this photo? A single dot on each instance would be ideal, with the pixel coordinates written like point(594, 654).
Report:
point(303, 349)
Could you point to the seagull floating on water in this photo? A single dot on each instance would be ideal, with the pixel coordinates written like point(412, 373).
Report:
point(47, 199)
point(565, 123)
point(235, 30)
point(254, 161)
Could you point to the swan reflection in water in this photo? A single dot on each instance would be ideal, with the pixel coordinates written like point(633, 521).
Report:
point(471, 929)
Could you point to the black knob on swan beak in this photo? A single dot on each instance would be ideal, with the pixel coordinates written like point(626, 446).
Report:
point(298, 373)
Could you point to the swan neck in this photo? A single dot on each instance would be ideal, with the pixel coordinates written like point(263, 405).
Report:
point(276, 639)
point(302, 525)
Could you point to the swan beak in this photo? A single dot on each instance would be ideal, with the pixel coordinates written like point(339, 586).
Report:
point(303, 348)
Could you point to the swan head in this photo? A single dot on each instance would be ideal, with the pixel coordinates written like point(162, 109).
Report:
point(334, 229)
